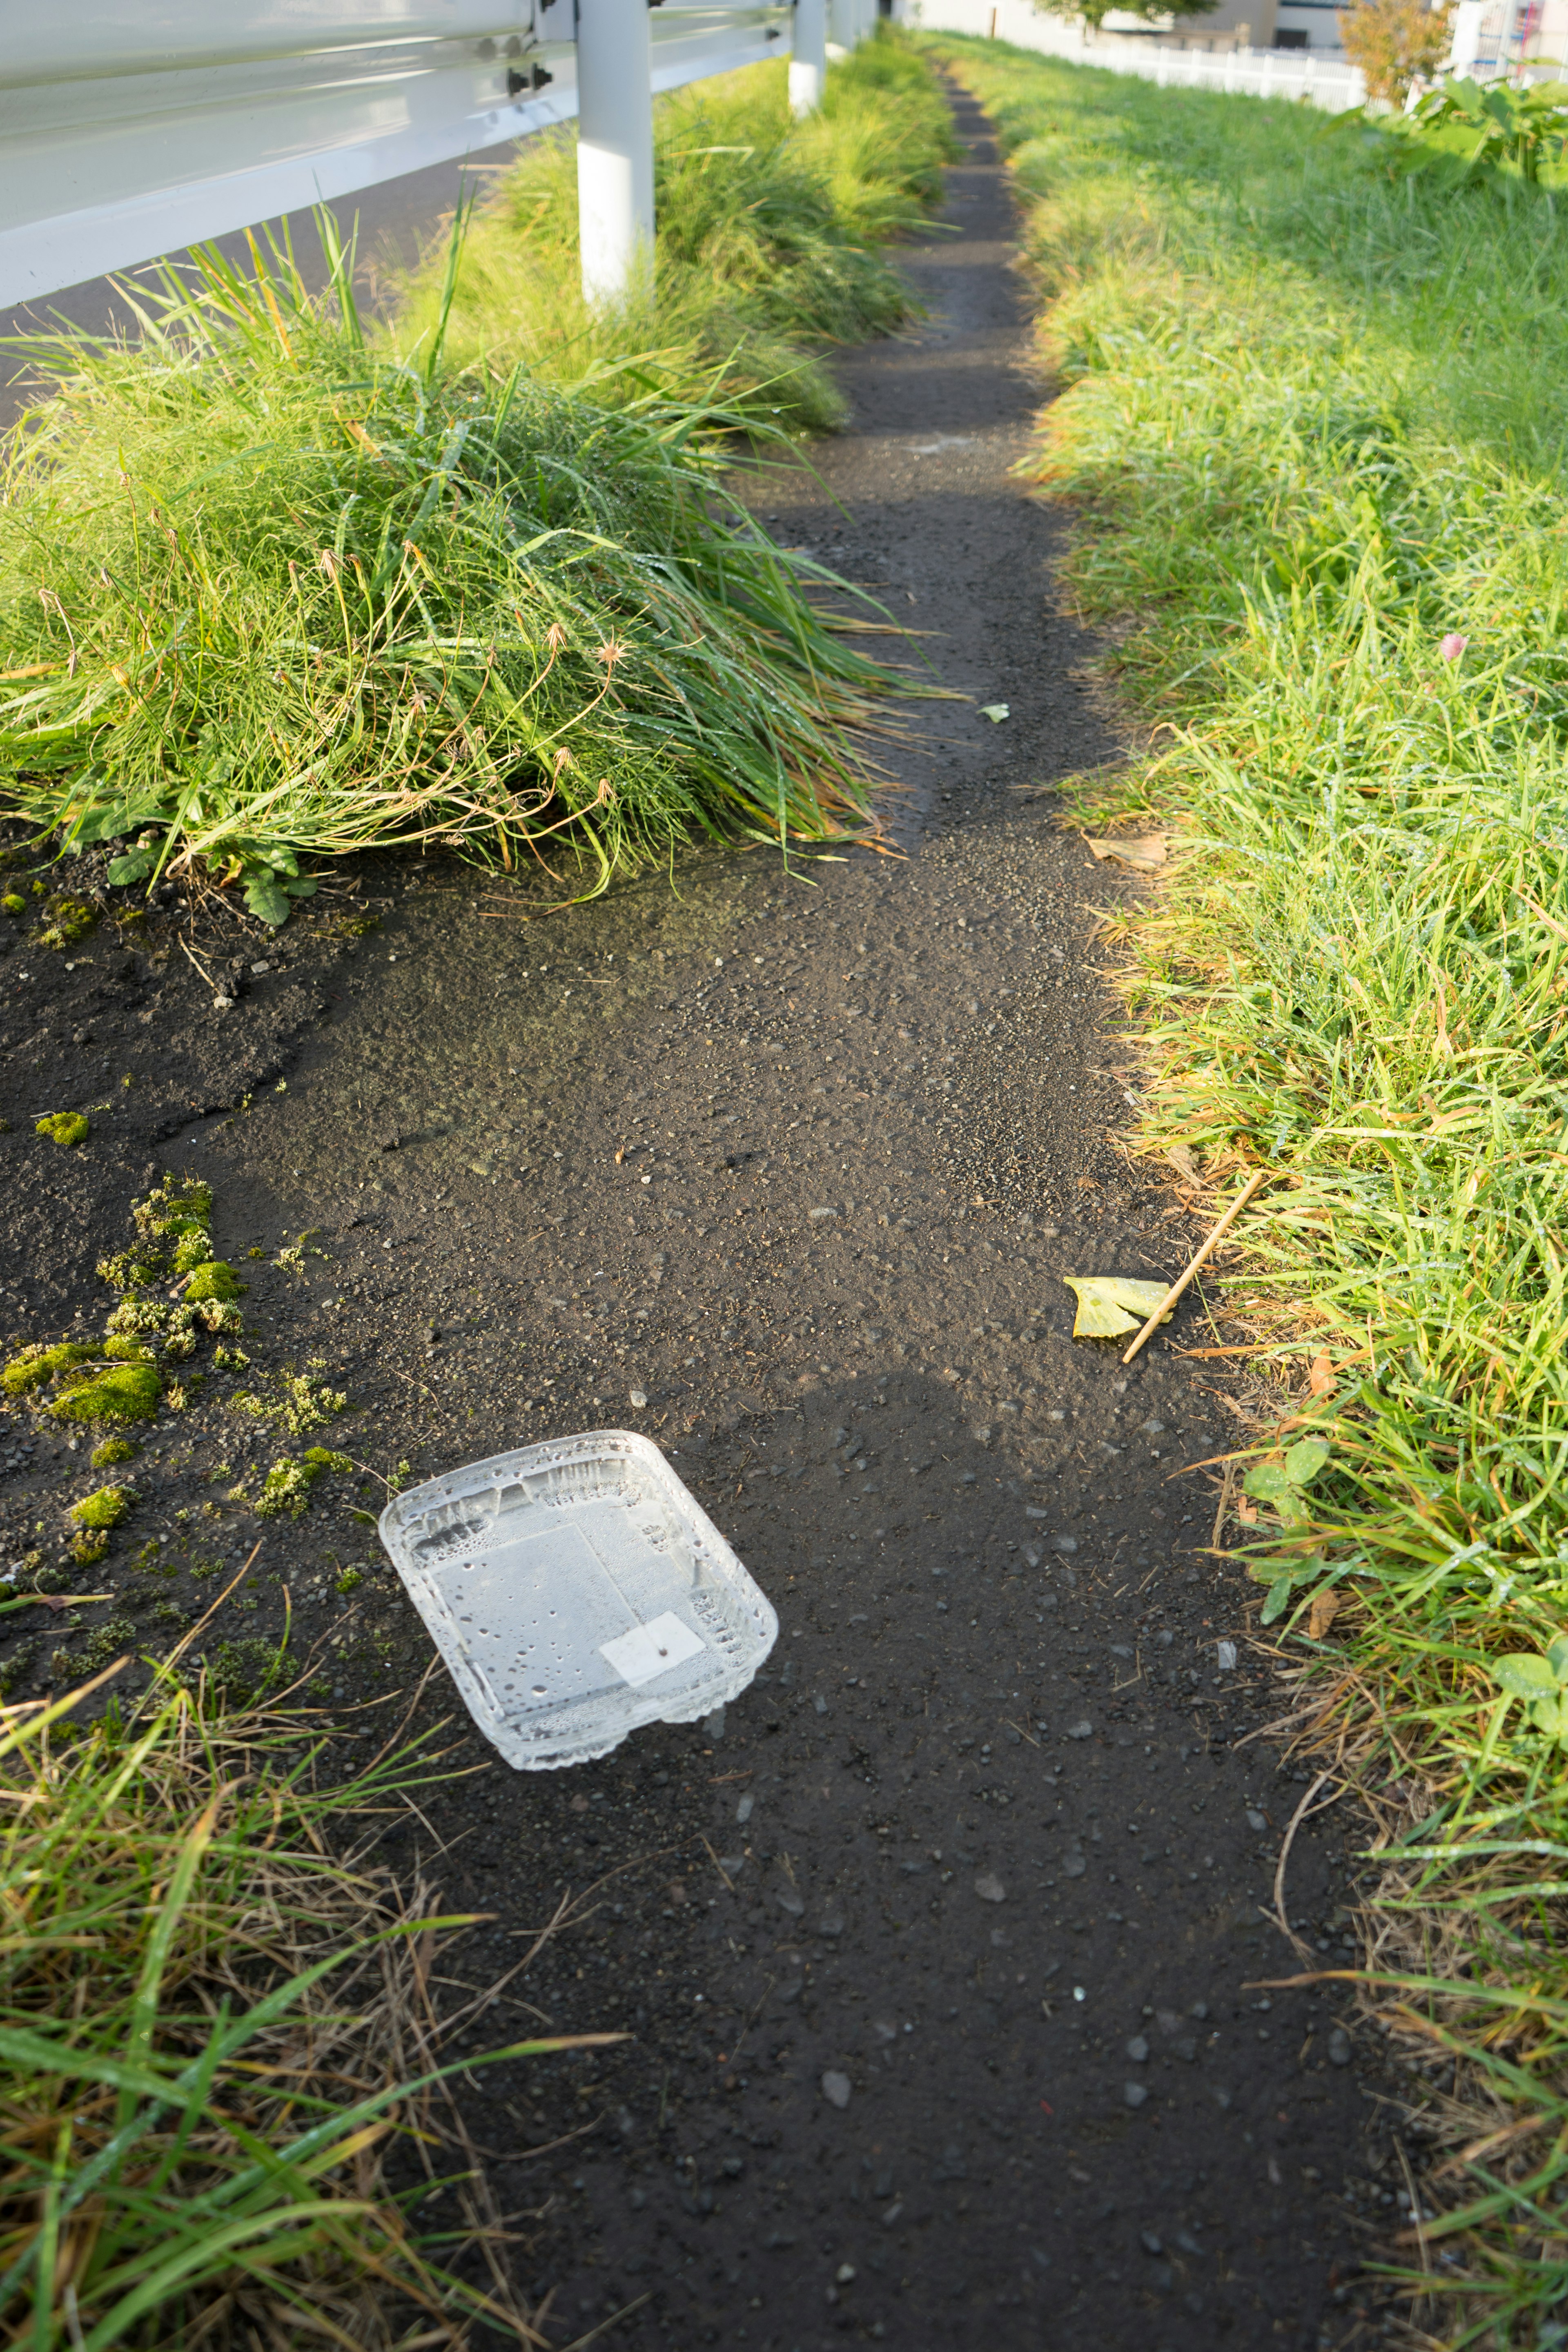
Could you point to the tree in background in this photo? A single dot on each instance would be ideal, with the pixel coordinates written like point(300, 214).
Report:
point(1396, 42)
point(1093, 13)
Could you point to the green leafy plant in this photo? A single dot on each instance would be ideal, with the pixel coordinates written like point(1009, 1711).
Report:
point(1525, 127)
point(1283, 1484)
point(1540, 1682)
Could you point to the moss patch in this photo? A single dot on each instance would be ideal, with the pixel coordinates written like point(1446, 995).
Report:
point(104, 1509)
point(71, 919)
point(66, 1128)
point(287, 1489)
point(300, 1404)
point(246, 1669)
point(125, 1392)
point(214, 1279)
point(35, 1367)
point(112, 1450)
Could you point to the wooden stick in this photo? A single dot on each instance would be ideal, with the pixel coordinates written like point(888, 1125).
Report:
point(1259, 1176)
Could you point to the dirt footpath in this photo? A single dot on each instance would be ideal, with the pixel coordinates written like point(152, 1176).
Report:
point(938, 1956)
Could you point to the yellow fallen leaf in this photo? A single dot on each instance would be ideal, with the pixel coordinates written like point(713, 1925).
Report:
point(1181, 1159)
point(1146, 851)
point(1110, 1303)
point(1325, 1608)
point(1321, 1376)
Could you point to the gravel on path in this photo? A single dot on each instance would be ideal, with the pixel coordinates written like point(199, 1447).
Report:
point(940, 1953)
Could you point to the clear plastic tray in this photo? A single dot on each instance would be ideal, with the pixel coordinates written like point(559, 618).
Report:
point(575, 1591)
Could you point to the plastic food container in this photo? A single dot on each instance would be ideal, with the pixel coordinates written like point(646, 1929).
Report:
point(575, 1591)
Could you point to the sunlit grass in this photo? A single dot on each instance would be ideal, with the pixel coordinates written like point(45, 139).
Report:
point(770, 243)
point(220, 2097)
point(276, 586)
point(1313, 423)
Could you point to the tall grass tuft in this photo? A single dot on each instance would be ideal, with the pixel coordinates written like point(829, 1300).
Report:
point(1314, 417)
point(270, 592)
point(769, 244)
point(217, 2047)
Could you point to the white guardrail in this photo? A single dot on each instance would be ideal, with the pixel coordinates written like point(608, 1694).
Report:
point(1329, 82)
point(131, 128)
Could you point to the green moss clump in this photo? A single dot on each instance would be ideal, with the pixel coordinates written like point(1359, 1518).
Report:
point(35, 1367)
point(172, 1234)
point(321, 1457)
point(127, 1270)
point(112, 1450)
point(214, 1279)
point(302, 1404)
point(126, 1351)
point(246, 1669)
point(190, 1250)
point(73, 918)
point(349, 1581)
point(104, 1509)
point(134, 1315)
point(102, 1646)
point(66, 1128)
point(287, 1489)
point(13, 904)
point(127, 1393)
point(88, 1547)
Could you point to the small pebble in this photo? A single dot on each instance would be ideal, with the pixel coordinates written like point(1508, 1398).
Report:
point(844, 2272)
point(836, 2089)
point(1227, 1657)
point(1137, 2050)
point(1257, 1820)
point(1084, 1730)
point(989, 1887)
point(744, 1809)
point(1151, 2243)
point(640, 1396)
point(1338, 2047)
point(1134, 2094)
point(1073, 1866)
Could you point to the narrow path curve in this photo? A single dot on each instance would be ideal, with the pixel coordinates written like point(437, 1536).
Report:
point(936, 1956)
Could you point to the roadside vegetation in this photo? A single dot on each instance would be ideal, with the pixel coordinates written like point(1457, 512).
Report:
point(275, 585)
point(1313, 419)
point(770, 245)
point(223, 2114)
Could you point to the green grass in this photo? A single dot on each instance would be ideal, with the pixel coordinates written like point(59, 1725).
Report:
point(769, 243)
point(215, 2037)
point(1314, 420)
point(275, 588)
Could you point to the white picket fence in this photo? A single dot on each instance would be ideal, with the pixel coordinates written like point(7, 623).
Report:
point(1329, 82)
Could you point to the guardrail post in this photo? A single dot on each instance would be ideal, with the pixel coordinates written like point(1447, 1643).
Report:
point(615, 145)
point(808, 66)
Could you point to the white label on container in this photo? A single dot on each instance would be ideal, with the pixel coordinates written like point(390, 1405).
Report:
point(648, 1651)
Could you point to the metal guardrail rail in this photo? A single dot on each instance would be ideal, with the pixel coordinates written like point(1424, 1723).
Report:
point(131, 128)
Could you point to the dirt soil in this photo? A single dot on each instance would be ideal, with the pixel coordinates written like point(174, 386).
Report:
point(940, 1955)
